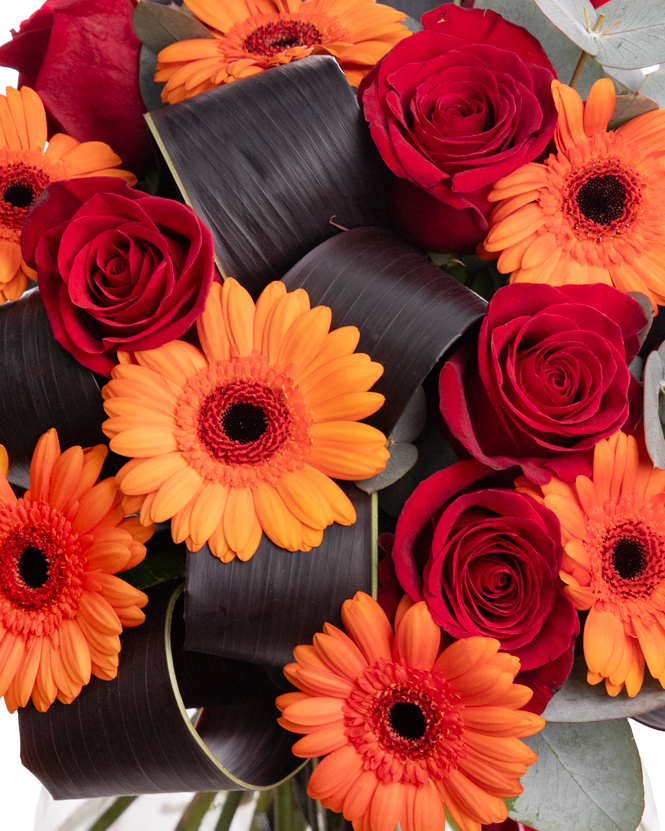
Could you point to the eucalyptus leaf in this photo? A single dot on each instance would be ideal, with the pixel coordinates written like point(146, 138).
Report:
point(636, 368)
point(653, 429)
point(647, 308)
point(575, 18)
point(588, 777)
point(158, 26)
point(403, 457)
point(632, 35)
point(626, 79)
point(412, 25)
point(412, 421)
point(653, 86)
point(628, 106)
point(562, 51)
point(578, 701)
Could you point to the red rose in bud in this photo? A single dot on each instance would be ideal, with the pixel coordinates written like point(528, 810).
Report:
point(117, 269)
point(82, 58)
point(452, 109)
point(487, 563)
point(549, 378)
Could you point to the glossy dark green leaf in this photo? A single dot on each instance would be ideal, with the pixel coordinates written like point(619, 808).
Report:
point(260, 610)
point(165, 560)
point(270, 162)
point(408, 311)
point(133, 735)
point(588, 777)
point(158, 26)
point(43, 386)
point(578, 701)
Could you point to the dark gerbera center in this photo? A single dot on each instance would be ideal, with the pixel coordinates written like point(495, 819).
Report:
point(632, 557)
point(33, 567)
point(629, 558)
point(407, 720)
point(20, 185)
point(243, 423)
point(602, 199)
point(19, 195)
point(273, 38)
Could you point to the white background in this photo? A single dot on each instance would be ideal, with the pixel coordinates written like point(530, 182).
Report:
point(19, 790)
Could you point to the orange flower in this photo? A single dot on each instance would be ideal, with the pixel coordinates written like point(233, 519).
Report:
point(613, 530)
point(61, 608)
point(26, 168)
point(404, 730)
point(592, 213)
point(241, 438)
point(253, 35)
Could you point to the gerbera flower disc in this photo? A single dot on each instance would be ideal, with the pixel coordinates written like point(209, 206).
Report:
point(242, 437)
point(26, 168)
point(405, 730)
point(254, 35)
point(613, 529)
point(61, 607)
point(592, 213)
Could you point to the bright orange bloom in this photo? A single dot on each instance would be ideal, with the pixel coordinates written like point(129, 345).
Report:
point(241, 438)
point(592, 213)
point(405, 730)
point(613, 529)
point(61, 607)
point(26, 168)
point(253, 35)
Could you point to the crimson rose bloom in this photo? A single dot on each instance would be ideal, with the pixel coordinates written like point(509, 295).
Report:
point(82, 58)
point(550, 378)
point(487, 563)
point(117, 269)
point(452, 109)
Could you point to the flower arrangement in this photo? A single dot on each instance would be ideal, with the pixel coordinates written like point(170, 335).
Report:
point(350, 321)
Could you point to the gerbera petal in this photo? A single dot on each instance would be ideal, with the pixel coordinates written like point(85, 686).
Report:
point(276, 520)
point(212, 328)
point(599, 107)
point(305, 504)
point(207, 512)
point(175, 493)
point(417, 638)
point(320, 742)
point(150, 474)
point(335, 773)
point(238, 313)
point(367, 624)
point(386, 806)
point(272, 293)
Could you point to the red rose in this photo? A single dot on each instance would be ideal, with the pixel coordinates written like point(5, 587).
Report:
point(82, 57)
point(117, 269)
point(487, 563)
point(550, 378)
point(452, 109)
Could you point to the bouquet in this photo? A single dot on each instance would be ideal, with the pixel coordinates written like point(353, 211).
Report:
point(332, 461)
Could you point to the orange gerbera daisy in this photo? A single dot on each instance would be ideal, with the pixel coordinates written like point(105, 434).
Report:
point(613, 529)
point(593, 212)
point(253, 35)
point(242, 437)
point(61, 607)
point(406, 730)
point(26, 168)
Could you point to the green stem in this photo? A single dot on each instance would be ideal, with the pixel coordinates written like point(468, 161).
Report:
point(229, 810)
point(578, 69)
point(111, 814)
point(193, 814)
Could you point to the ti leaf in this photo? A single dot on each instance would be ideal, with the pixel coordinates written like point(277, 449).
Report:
point(159, 26)
point(588, 777)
